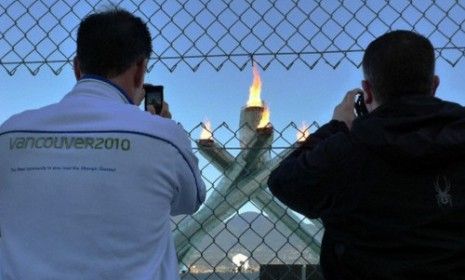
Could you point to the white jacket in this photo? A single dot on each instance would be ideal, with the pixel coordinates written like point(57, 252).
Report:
point(87, 187)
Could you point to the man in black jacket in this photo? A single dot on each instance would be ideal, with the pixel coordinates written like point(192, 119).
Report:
point(389, 186)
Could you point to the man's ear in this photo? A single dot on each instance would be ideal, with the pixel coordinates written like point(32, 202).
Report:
point(368, 92)
point(139, 74)
point(77, 68)
point(436, 82)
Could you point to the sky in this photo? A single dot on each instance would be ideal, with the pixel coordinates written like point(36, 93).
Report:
point(294, 95)
point(192, 27)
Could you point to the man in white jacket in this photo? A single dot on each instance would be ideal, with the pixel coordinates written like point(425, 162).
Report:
point(87, 185)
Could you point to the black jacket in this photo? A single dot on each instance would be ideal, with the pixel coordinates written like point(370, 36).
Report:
point(390, 192)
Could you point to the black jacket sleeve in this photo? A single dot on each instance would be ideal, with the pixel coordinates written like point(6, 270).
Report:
point(303, 180)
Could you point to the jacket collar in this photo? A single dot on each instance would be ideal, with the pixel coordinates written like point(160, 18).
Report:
point(101, 86)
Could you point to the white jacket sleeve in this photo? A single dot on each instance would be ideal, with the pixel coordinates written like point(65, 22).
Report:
point(190, 192)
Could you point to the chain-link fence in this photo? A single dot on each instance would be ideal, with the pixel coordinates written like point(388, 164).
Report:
point(40, 34)
point(241, 227)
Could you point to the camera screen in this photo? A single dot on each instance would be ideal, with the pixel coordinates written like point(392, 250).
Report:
point(153, 98)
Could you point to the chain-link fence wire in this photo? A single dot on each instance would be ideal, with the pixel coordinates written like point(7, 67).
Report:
point(241, 227)
point(40, 34)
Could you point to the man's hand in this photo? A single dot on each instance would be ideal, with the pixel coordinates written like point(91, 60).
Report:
point(165, 110)
point(345, 110)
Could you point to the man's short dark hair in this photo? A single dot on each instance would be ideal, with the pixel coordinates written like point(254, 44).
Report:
point(399, 63)
point(108, 43)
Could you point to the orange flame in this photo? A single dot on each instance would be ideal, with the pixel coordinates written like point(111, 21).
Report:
point(255, 89)
point(303, 132)
point(265, 120)
point(206, 133)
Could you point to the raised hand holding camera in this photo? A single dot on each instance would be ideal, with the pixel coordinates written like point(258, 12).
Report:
point(344, 111)
point(154, 101)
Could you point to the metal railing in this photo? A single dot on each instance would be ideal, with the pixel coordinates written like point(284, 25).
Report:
point(41, 34)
